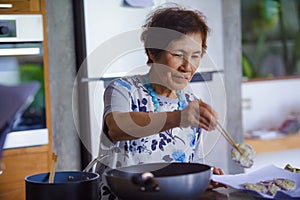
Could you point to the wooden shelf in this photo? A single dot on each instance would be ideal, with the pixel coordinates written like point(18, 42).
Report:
point(280, 144)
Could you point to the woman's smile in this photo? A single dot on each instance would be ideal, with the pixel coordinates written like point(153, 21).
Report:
point(180, 78)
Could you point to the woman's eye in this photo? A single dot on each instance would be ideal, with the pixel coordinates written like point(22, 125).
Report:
point(177, 54)
point(195, 56)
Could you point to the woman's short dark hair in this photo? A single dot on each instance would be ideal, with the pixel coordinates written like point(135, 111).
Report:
point(175, 20)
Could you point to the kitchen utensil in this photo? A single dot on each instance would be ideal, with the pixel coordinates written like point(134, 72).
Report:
point(68, 185)
point(53, 167)
point(228, 137)
point(169, 181)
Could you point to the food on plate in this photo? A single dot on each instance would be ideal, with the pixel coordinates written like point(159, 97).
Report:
point(291, 168)
point(246, 158)
point(271, 187)
point(256, 187)
point(285, 184)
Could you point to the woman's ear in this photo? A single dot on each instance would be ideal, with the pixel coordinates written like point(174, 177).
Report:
point(150, 55)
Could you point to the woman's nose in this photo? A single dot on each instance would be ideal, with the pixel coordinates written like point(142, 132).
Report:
point(186, 64)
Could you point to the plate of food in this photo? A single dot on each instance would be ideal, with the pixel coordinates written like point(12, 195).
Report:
point(269, 182)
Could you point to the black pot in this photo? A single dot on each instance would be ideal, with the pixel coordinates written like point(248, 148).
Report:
point(169, 181)
point(68, 185)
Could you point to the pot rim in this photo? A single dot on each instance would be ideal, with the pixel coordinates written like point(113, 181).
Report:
point(27, 178)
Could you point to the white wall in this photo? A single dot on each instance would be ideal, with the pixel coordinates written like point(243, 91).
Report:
point(106, 22)
point(266, 104)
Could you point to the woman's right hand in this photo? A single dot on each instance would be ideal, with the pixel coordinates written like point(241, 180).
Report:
point(199, 114)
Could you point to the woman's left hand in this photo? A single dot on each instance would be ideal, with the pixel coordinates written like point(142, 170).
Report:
point(214, 184)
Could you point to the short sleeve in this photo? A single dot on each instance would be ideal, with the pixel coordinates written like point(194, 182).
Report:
point(117, 97)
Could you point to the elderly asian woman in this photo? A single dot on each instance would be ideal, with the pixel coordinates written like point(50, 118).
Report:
point(155, 117)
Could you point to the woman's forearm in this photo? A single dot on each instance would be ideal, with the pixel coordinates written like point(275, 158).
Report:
point(133, 125)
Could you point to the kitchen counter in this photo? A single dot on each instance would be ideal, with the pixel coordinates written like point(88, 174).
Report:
point(227, 194)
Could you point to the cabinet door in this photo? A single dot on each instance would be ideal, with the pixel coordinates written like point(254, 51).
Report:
point(20, 163)
point(11, 6)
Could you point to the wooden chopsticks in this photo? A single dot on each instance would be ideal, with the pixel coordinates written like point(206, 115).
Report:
point(228, 137)
point(53, 167)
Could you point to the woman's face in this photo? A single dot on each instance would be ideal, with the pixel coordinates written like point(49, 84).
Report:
point(176, 65)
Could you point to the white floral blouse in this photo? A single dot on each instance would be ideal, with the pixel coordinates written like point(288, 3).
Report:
point(130, 94)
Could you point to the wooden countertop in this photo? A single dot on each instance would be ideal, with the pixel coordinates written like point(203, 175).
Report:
point(288, 142)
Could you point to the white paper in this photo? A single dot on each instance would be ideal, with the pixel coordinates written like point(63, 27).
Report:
point(266, 173)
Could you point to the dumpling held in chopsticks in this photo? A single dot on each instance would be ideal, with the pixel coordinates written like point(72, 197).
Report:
point(246, 158)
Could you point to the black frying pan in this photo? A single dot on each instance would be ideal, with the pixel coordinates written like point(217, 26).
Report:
point(169, 181)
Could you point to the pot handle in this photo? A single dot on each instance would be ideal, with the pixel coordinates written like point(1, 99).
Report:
point(93, 162)
point(146, 182)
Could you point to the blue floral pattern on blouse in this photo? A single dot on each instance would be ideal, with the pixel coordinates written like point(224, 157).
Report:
point(174, 145)
point(178, 156)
